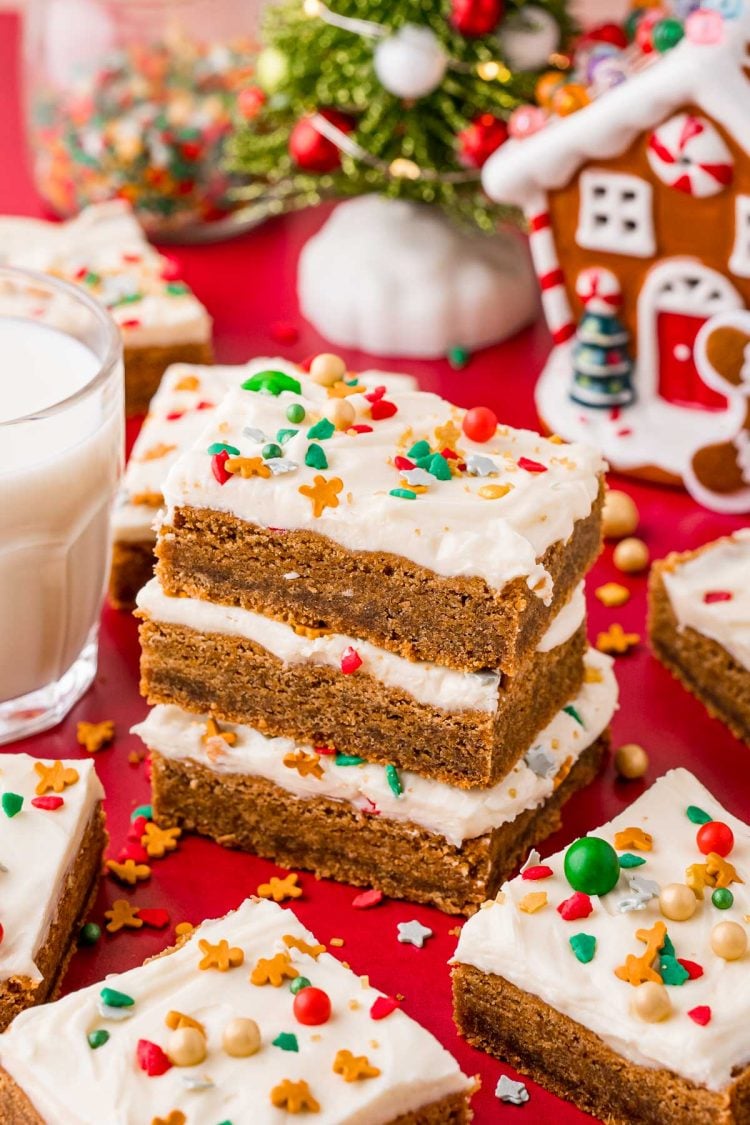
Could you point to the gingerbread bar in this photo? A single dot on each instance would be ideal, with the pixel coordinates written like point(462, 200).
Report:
point(217, 1029)
point(699, 625)
point(615, 973)
point(361, 823)
point(464, 728)
point(105, 251)
point(52, 840)
point(179, 411)
point(422, 528)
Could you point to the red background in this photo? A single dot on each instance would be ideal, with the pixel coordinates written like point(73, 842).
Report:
point(248, 285)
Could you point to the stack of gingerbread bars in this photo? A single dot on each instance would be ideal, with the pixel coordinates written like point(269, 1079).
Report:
point(366, 642)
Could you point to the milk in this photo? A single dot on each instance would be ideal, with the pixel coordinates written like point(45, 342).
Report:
point(57, 479)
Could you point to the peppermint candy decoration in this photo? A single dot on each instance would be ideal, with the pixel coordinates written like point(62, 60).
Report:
point(598, 290)
point(688, 154)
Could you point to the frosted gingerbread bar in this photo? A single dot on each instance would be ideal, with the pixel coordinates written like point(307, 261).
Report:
point(105, 251)
point(178, 412)
point(367, 824)
point(464, 728)
point(615, 973)
point(394, 517)
point(248, 1020)
point(699, 625)
point(52, 840)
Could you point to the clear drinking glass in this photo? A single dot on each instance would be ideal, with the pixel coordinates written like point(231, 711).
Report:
point(61, 455)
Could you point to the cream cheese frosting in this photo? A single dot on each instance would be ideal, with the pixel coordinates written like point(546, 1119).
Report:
point(81, 1086)
point(710, 592)
point(180, 410)
point(532, 950)
point(519, 495)
point(38, 847)
point(455, 814)
point(428, 683)
point(105, 250)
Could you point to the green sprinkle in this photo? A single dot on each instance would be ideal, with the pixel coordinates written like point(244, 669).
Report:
point(627, 859)
point(271, 451)
point(298, 984)
point(272, 383)
point(583, 946)
point(114, 999)
point(423, 462)
point(347, 760)
point(176, 288)
point(315, 458)
point(285, 435)
point(12, 803)
point(419, 449)
point(142, 810)
point(697, 816)
point(394, 781)
point(287, 1040)
point(89, 934)
point(222, 447)
point(722, 898)
point(91, 278)
point(322, 429)
point(570, 710)
point(671, 971)
point(295, 413)
point(126, 299)
point(403, 493)
point(439, 467)
point(458, 357)
point(97, 1038)
point(667, 947)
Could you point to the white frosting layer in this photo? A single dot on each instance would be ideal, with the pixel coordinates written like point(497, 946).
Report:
point(721, 567)
point(38, 847)
point(449, 528)
point(177, 415)
point(80, 1086)
point(107, 240)
point(533, 951)
point(456, 814)
point(428, 683)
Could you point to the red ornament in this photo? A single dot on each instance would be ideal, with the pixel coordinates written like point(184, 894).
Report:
point(476, 17)
point(350, 660)
point(250, 102)
point(715, 837)
point(479, 424)
point(644, 32)
point(151, 1058)
point(310, 150)
point(312, 1006)
point(478, 141)
point(575, 907)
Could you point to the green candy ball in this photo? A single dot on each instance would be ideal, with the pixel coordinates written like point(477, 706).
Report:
point(592, 866)
point(271, 69)
point(666, 35)
point(722, 898)
point(298, 984)
point(295, 412)
point(271, 451)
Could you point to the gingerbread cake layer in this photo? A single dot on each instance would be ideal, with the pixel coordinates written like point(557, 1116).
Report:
point(399, 529)
point(400, 1075)
point(699, 625)
point(548, 976)
point(464, 728)
point(145, 366)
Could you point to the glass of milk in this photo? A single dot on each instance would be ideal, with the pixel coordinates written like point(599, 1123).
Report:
point(61, 455)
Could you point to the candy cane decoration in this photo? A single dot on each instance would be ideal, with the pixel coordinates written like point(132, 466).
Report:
point(688, 154)
point(549, 272)
point(598, 290)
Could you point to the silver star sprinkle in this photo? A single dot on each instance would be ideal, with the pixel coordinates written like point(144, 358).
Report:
point(197, 1082)
point(418, 476)
point(413, 933)
point(279, 465)
point(643, 891)
point(108, 1012)
point(515, 1093)
point(532, 860)
point(253, 434)
point(480, 466)
point(540, 761)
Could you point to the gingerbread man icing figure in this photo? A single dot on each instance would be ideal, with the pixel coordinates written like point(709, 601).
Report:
point(718, 475)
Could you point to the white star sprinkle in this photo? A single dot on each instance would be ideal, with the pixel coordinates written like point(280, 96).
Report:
point(515, 1093)
point(413, 933)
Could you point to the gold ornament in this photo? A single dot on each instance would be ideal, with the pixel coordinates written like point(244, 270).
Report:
point(341, 413)
point(186, 1047)
point(651, 1002)
point(729, 941)
point(619, 515)
point(677, 902)
point(631, 555)
point(241, 1038)
point(327, 369)
point(631, 761)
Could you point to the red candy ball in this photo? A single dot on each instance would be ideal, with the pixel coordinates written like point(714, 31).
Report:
point(313, 152)
point(715, 836)
point(312, 1006)
point(476, 17)
point(607, 33)
point(480, 423)
point(478, 141)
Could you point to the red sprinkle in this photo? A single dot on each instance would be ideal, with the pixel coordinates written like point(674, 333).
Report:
point(700, 1015)
point(134, 851)
point(80, 273)
point(361, 429)
point(151, 1058)
point(133, 258)
point(205, 405)
point(403, 464)
point(350, 660)
point(2, 933)
point(383, 1007)
point(170, 270)
point(382, 409)
point(284, 332)
point(531, 466)
point(449, 454)
point(137, 828)
point(541, 871)
point(306, 363)
point(217, 466)
point(375, 394)
point(694, 969)
point(712, 596)
point(153, 916)
point(133, 323)
point(329, 751)
point(175, 415)
point(367, 899)
point(50, 803)
point(577, 906)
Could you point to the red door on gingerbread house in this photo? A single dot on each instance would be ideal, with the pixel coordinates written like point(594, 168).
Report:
point(677, 298)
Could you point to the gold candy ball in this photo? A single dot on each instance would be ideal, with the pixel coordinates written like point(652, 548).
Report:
point(241, 1038)
point(651, 1002)
point(729, 940)
point(619, 515)
point(630, 555)
point(341, 413)
point(677, 902)
point(631, 761)
point(327, 369)
point(186, 1047)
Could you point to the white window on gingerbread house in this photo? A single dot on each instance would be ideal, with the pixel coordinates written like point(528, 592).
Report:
point(616, 214)
point(739, 263)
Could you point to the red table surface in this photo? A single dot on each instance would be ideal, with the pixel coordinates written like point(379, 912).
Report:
point(248, 285)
